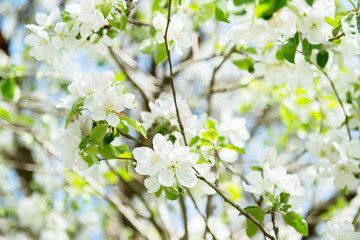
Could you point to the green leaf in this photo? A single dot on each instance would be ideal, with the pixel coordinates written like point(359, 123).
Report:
point(75, 109)
point(297, 222)
point(135, 124)
point(210, 124)
point(171, 193)
point(88, 160)
point(322, 58)
point(267, 8)
point(337, 26)
point(158, 192)
point(108, 151)
point(84, 142)
point(240, 2)
point(284, 197)
point(123, 127)
point(160, 54)
point(112, 33)
point(279, 55)
point(109, 137)
point(235, 148)
point(259, 215)
point(210, 135)
point(306, 49)
point(98, 132)
point(330, 21)
point(123, 22)
point(8, 88)
point(202, 158)
point(194, 140)
point(147, 46)
point(220, 15)
point(244, 64)
point(105, 8)
point(289, 48)
point(310, 2)
point(115, 22)
point(205, 12)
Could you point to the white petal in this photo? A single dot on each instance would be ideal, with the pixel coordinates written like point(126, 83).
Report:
point(113, 119)
point(152, 184)
point(186, 177)
point(166, 177)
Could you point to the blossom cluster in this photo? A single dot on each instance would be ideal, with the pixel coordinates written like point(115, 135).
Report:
point(102, 95)
point(166, 164)
point(273, 182)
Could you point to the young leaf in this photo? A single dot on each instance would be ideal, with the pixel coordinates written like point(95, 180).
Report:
point(112, 33)
point(259, 215)
point(244, 64)
point(160, 54)
point(84, 142)
point(147, 46)
point(220, 15)
point(202, 158)
point(105, 8)
point(297, 222)
point(210, 135)
point(75, 109)
point(322, 58)
point(123, 127)
point(235, 148)
point(171, 193)
point(8, 88)
point(306, 48)
point(266, 8)
point(289, 48)
point(98, 133)
point(136, 124)
point(123, 22)
point(194, 140)
point(205, 12)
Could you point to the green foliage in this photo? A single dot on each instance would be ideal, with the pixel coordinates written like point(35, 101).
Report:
point(112, 33)
point(171, 193)
point(258, 214)
point(322, 58)
point(148, 46)
point(235, 148)
point(202, 158)
point(98, 132)
point(105, 8)
point(119, 21)
point(205, 12)
point(297, 222)
point(267, 8)
point(244, 64)
point(75, 109)
point(289, 48)
point(306, 49)
point(135, 124)
point(160, 54)
point(220, 15)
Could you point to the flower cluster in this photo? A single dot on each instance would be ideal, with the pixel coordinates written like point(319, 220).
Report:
point(166, 164)
point(274, 181)
point(102, 95)
point(81, 23)
point(163, 111)
point(336, 157)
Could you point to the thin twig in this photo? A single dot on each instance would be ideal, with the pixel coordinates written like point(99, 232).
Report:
point(184, 216)
point(212, 81)
point(202, 215)
point(337, 37)
point(276, 229)
point(133, 21)
point(337, 96)
point(242, 211)
point(172, 75)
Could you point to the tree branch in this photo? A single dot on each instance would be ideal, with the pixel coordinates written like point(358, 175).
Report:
point(172, 75)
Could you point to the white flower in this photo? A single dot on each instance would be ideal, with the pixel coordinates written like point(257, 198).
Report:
point(314, 25)
point(159, 22)
point(259, 184)
point(341, 231)
point(107, 104)
point(179, 165)
point(165, 164)
point(149, 162)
